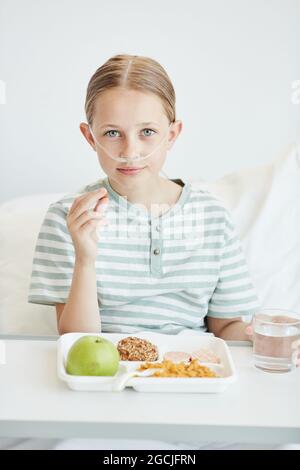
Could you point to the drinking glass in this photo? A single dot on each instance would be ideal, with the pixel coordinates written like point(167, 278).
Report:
point(275, 332)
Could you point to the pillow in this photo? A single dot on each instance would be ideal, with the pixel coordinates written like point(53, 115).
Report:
point(20, 221)
point(265, 206)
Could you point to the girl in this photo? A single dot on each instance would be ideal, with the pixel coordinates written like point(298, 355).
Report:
point(166, 257)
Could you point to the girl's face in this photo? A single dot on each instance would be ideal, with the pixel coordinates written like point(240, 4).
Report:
point(128, 122)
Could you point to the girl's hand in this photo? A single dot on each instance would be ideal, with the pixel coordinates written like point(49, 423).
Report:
point(83, 222)
point(295, 344)
point(249, 331)
point(296, 352)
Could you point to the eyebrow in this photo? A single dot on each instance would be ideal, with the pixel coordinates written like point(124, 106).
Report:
point(140, 124)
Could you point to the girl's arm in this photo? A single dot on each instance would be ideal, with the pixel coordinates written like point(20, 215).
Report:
point(228, 329)
point(81, 312)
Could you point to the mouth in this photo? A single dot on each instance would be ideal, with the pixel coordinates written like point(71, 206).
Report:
point(130, 170)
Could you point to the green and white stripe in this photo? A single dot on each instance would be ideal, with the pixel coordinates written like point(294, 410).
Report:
point(200, 268)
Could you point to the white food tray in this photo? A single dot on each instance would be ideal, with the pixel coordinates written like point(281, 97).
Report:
point(164, 343)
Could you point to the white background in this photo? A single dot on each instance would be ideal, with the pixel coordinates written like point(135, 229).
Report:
point(232, 64)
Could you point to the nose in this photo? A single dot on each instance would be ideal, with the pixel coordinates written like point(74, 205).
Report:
point(130, 147)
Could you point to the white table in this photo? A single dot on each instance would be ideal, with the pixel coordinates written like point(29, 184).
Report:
point(259, 407)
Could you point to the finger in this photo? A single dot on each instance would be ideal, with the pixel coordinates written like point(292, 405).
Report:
point(100, 207)
point(78, 200)
point(295, 358)
point(75, 203)
point(92, 225)
point(85, 217)
point(296, 344)
point(86, 202)
point(102, 204)
point(249, 330)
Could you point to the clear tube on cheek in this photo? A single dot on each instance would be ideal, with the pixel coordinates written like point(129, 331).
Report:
point(129, 159)
point(133, 159)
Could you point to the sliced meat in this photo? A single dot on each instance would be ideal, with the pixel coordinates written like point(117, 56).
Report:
point(205, 355)
point(177, 356)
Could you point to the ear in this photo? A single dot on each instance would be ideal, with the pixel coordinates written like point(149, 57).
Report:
point(174, 132)
point(87, 134)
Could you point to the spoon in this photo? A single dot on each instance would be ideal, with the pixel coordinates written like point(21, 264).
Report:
point(122, 380)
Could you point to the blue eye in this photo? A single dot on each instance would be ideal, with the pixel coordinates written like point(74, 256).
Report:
point(150, 131)
point(145, 135)
point(111, 131)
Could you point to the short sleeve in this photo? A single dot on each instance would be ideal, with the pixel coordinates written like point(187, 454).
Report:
point(53, 260)
point(235, 294)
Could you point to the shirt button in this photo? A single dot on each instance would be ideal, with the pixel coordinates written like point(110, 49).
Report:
point(156, 251)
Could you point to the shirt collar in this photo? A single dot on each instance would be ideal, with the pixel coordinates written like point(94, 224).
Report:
point(137, 210)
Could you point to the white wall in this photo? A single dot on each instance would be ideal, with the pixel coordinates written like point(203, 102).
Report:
point(232, 64)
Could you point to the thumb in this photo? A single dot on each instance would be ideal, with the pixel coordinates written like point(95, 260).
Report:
point(249, 331)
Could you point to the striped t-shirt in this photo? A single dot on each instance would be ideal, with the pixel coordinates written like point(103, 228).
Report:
point(162, 273)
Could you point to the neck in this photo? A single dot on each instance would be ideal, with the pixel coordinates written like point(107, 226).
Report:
point(157, 195)
point(147, 192)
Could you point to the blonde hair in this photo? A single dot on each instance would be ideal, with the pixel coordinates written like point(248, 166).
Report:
point(131, 72)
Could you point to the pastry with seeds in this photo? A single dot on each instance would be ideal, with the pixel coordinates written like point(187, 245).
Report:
point(133, 348)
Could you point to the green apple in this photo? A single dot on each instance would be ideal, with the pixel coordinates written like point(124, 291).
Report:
point(92, 355)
